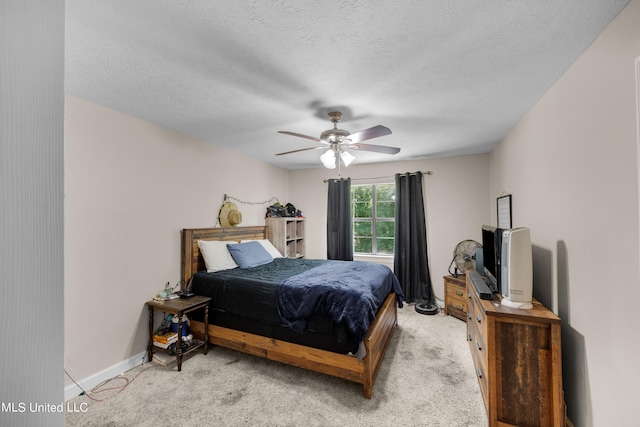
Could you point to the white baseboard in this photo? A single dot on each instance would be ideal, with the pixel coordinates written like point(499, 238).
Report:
point(90, 382)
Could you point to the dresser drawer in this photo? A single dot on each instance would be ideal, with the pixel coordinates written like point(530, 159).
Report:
point(477, 313)
point(479, 354)
point(477, 336)
point(480, 362)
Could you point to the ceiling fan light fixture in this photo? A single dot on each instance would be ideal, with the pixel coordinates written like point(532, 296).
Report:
point(334, 135)
point(338, 140)
point(347, 158)
point(329, 159)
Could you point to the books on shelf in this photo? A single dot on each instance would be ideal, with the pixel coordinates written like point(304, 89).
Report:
point(162, 345)
point(166, 338)
point(163, 358)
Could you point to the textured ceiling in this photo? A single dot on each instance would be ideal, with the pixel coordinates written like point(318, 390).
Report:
point(447, 77)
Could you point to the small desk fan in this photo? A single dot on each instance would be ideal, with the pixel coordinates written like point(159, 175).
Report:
point(464, 257)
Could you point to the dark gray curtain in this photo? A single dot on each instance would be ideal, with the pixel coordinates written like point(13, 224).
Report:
point(411, 264)
point(339, 225)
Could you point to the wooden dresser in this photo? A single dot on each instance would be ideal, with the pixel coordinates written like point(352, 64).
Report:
point(455, 297)
point(517, 356)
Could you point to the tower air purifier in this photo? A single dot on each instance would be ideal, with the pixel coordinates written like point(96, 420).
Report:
point(517, 268)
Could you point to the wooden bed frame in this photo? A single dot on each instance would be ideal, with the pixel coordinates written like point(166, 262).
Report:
point(326, 362)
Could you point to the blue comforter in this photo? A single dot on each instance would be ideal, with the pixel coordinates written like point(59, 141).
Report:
point(347, 291)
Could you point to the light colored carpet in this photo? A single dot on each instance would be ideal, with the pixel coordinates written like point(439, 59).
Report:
point(426, 379)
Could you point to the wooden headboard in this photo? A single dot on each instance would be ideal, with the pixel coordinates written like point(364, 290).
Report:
point(192, 260)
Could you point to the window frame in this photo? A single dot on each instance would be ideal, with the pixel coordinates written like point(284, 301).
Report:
point(373, 220)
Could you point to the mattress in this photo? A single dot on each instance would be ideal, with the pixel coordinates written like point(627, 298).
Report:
point(251, 292)
point(247, 300)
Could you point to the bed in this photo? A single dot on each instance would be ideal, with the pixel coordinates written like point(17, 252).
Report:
point(326, 347)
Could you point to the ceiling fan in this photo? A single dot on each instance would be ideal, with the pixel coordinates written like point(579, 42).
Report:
point(337, 141)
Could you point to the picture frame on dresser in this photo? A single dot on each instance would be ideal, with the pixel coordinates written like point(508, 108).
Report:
point(503, 208)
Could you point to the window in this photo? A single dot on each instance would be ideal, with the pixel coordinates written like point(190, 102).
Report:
point(374, 208)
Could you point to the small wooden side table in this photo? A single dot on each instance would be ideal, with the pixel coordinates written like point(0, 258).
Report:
point(455, 297)
point(178, 307)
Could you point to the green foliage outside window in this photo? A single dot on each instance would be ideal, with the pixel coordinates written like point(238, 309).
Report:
point(362, 200)
point(374, 218)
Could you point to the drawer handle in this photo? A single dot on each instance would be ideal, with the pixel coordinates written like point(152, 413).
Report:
point(459, 293)
point(469, 316)
point(478, 319)
point(479, 346)
point(469, 295)
point(459, 307)
point(469, 336)
point(479, 373)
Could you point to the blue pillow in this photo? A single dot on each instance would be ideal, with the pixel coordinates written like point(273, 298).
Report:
point(250, 254)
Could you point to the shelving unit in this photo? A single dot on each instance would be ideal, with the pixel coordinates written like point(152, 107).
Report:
point(287, 235)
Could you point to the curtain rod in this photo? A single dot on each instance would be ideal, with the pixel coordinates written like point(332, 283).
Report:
point(378, 177)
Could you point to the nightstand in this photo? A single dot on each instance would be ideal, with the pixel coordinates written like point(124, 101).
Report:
point(178, 307)
point(455, 296)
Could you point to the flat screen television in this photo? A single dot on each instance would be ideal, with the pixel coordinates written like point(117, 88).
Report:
point(491, 248)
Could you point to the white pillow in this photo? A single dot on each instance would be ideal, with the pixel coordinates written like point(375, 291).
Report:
point(216, 255)
point(268, 246)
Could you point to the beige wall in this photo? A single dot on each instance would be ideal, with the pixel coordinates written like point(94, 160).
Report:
point(455, 202)
point(572, 167)
point(130, 187)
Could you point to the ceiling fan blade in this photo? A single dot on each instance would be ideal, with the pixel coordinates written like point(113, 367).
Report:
point(313, 138)
point(302, 149)
point(377, 148)
point(370, 133)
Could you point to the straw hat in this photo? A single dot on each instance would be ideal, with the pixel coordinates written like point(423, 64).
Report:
point(229, 215)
